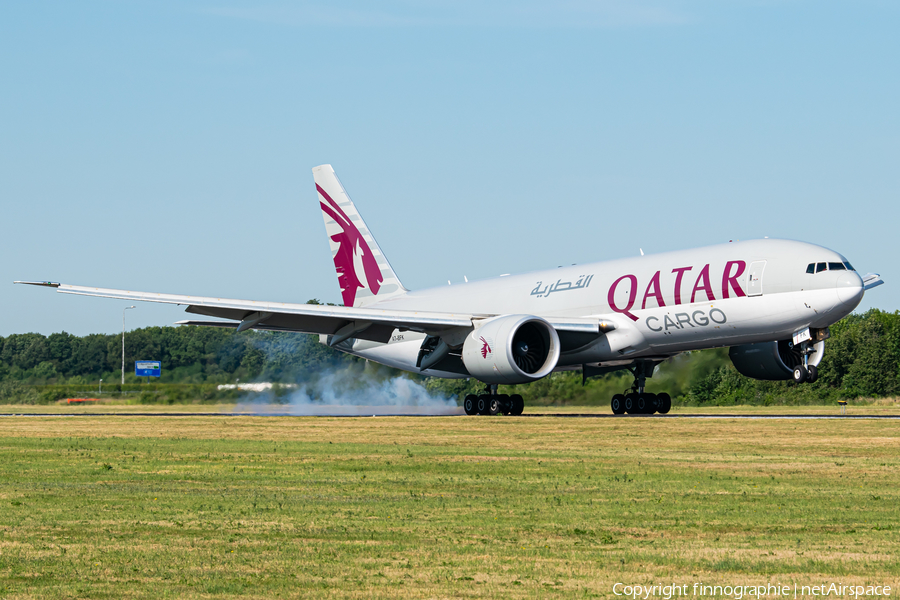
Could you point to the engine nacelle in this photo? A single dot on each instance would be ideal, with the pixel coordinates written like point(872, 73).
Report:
point(772, 360)
point(511, 349)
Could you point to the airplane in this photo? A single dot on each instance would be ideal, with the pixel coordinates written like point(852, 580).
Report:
point(770, 301)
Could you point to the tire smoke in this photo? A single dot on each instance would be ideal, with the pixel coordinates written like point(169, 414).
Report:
point(347, 392)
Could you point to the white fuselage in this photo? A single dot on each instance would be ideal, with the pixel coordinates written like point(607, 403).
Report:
point(662, 304)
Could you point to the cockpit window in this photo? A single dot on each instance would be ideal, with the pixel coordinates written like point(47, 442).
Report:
point(832, 266)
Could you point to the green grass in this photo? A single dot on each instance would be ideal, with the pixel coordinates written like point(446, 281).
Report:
point(858, 407)
point(205, 507)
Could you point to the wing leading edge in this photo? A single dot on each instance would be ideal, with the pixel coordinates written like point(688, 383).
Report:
point(372, 324)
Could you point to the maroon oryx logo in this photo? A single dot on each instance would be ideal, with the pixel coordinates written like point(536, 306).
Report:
point(485, 348)
point(352, 248)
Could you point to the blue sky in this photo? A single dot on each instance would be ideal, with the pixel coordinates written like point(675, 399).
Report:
point(167, 146)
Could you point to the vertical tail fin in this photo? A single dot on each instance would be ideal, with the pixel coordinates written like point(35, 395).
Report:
point(364, 273)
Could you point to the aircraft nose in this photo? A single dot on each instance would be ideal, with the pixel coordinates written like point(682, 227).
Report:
point(849, 289)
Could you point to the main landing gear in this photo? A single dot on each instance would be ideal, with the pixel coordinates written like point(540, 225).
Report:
point(492, 403)
point(641, 403)
point(637, 401)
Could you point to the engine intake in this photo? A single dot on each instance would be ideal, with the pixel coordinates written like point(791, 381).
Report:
point(511, 349)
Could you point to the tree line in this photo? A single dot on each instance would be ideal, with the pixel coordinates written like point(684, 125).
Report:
point(862, 358)
point(188, 354)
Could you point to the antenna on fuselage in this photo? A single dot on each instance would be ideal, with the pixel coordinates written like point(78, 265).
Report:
point(642, 251)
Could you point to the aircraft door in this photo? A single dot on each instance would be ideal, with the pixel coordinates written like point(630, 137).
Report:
point(754, 278)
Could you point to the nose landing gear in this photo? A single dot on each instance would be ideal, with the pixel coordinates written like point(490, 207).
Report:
point(492, 403)
point(805, 372)
point(802, 353)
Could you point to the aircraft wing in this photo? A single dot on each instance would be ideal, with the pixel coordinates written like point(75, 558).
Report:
point(341, 322)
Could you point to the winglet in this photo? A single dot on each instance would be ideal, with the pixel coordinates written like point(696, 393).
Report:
point(41, 283)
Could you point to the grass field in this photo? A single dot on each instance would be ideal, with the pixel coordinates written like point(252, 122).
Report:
point(201, 507)
point(862, 407)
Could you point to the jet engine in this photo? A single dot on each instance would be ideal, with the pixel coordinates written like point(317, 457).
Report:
point(511, 349)
point(772, 360)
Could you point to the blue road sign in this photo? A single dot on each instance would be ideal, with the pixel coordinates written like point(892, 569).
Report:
point(147, 368)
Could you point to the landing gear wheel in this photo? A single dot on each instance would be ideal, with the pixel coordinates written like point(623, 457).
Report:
point(483, 404)
point(800, 374)
point(630, 404)
point(517, 404)
point(470, 404)
point(493, 405)
point(618, 404)
point(665, 403)
point(812, 373)
point(644, 404)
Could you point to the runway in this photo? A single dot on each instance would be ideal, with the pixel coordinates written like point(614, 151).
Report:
point(400, 414)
